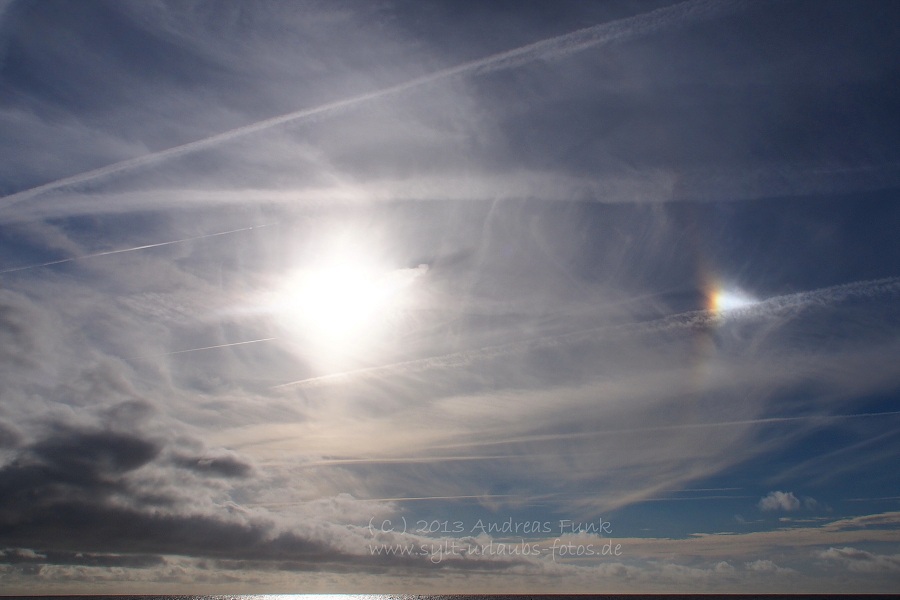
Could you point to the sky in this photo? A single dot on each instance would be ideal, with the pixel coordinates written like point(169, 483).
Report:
point(460, 297)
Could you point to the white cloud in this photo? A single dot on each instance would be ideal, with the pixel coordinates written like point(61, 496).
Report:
point(887, 519)
point(766, 566)
point(723, 567)
point(779, 501)
point(861, 561)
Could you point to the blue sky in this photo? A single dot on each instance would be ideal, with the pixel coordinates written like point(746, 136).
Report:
point(449, 296)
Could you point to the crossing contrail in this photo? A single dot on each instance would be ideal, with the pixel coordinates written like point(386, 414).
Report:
point(133, 249)
point(269, 339)
point(556, 47)
point(685, 320)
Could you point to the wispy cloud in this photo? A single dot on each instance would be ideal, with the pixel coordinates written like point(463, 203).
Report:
point(644, 24)
point(686, 320)
point(132, 249)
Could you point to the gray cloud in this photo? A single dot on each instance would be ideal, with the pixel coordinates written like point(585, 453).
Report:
point(17, 556)
point(9, 436)
point(221, 466)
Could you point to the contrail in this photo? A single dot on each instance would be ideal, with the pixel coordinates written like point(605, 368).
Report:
point(200, 349)
point(682, 498)
point(398, 499)
point(552, 437)
point(133, 249)
point(632, 430)
point(685, 320)
point(412, 498)
point(871, 499)
point(644, 24)
point(409, 460)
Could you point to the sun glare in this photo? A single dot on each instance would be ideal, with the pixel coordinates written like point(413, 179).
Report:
point(336, 300)
point(341, 306)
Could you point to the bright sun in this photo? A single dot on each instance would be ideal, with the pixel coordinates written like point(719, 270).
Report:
point(336, 301)
point(342, 306)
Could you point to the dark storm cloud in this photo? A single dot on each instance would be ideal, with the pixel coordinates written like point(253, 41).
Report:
point(73, 498)
point(219, 466)
point(61, 492)
point(9, 436)
point(103, 527)
point(92, 456)
point(105, 534)
point(70, 465)
point(16, 556)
